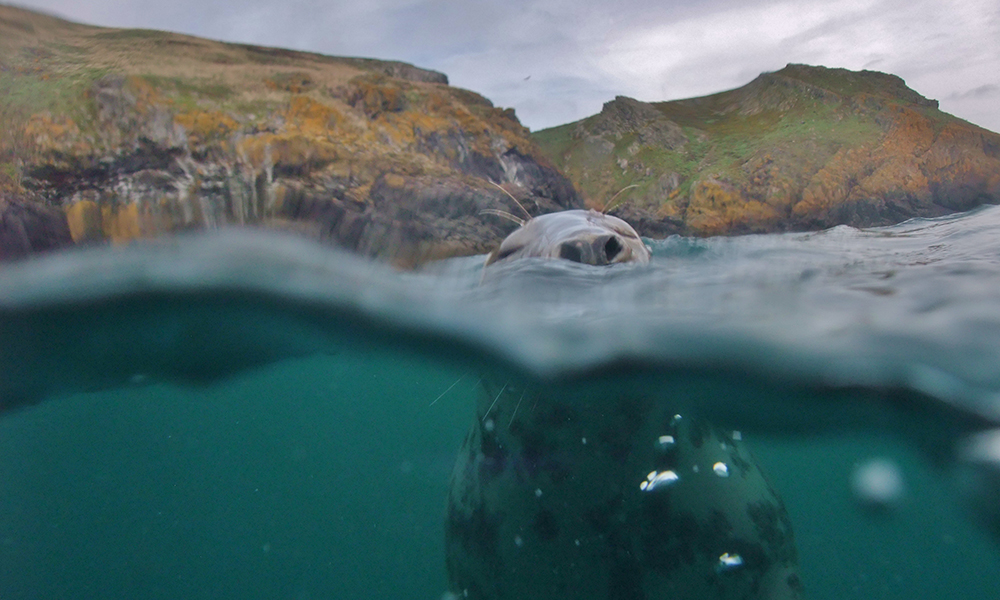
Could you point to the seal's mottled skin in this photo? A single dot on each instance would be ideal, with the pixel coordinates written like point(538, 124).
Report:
point(596, 497)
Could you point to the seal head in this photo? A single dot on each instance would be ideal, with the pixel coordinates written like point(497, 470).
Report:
point(583, 236)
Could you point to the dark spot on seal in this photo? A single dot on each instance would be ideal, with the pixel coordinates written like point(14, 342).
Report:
point(744, 466)
point(545, 525)
point(539, 455)
point(667, 536)
point(773, 527)
point(532, 447)
point(698, 432)
point(719, 525)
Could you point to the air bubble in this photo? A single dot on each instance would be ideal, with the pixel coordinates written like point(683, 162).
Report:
point(728, 562)
point(878, 484)
point(658, 479)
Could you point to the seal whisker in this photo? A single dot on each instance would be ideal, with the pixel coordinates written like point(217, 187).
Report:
point(611, 203)
point(495, 401)
point(449, 389)
point(504, 214)
point(511, 196)
point(514, 414)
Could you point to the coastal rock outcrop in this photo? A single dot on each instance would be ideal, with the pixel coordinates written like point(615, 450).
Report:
point(802, 148)
point(27, 228)
point(133, 133)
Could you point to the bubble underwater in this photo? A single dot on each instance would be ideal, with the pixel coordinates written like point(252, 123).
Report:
point(248, 414)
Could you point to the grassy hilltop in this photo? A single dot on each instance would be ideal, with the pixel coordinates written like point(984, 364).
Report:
point(125, 133)
point(802, 148)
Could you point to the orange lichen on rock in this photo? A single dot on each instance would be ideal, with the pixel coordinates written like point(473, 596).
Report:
point(716, 208)
point(89, 221)
point(313, 135)
point(59, 133)
point(297, 82)
point(84, 219)
point(204, 126)
point(375, 95)
point(833, 183)
point(310, 117)
point(120, 222)
point(147, 96)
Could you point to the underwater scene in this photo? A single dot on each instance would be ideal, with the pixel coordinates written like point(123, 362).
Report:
point(241, 414)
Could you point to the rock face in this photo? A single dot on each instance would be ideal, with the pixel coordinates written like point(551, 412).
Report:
point(801, 148)
point(133, 133)
point(115, 134)
point(27, 228)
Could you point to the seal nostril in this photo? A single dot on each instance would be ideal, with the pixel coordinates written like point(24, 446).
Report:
point(570, 251)
point(611, 248)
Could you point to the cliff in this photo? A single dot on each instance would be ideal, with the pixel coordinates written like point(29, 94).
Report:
point(802, 148)
point(117, 134)
point(109, 135)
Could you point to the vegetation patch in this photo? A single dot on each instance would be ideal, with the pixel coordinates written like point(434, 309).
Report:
point(787, 148)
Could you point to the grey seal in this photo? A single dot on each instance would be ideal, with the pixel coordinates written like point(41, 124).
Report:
point(597, 497)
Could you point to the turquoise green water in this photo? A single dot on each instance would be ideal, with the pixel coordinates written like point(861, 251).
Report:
point(310, 459)
point(326, 477)
point(317, 478)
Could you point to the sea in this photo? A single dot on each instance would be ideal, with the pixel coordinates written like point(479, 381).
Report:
point(240, 414)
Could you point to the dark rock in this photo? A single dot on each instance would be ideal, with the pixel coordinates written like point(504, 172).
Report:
point(626, 115)
point(27, 228)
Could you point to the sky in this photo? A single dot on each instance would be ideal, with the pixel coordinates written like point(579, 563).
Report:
point(557, 61)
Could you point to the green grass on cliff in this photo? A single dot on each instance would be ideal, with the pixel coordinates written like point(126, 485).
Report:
point(722, 144)
point(191, 90)
point(35, 92)
point(25, 94)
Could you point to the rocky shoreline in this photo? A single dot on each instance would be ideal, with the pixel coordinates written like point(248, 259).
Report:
point(109, 136)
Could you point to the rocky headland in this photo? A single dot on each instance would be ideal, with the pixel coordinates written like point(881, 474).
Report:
point(118, 134)
point(798, 149)
point(111, 135)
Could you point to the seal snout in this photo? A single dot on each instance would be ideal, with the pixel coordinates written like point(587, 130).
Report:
point(596, 250)
point(586, 237)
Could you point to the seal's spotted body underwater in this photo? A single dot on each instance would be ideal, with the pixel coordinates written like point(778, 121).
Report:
point(597, 497)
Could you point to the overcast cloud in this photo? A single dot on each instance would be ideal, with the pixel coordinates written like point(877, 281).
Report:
point(557, 61)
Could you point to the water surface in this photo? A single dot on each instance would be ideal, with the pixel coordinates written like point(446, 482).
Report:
point(245, 415)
